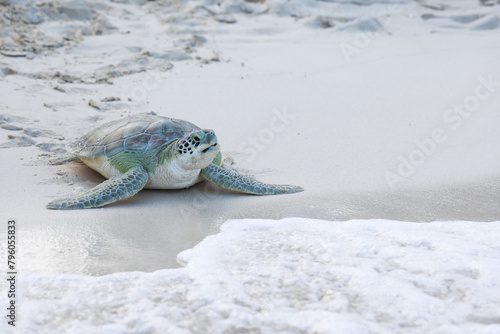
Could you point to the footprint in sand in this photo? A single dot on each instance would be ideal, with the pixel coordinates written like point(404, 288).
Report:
point(472, 21)
point(51, 147)
point(11, 127)
point(25, 139)
point(6, 122)
point(33, 132)
point(10, 119)
point(488, 22)
point(18, 141)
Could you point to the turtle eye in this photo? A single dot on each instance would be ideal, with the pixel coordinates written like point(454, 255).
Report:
point(197, 137)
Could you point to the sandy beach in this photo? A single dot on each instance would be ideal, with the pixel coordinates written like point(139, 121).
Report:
point(383, 111)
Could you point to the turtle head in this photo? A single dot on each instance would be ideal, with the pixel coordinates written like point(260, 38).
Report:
point(198, 149)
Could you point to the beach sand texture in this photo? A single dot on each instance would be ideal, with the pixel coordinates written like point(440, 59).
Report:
point(378, 109)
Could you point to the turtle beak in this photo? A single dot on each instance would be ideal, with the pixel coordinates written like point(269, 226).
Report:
point(210, 148)
point(210, 142)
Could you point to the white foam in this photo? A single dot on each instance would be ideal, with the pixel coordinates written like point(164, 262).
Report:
point(287, 276)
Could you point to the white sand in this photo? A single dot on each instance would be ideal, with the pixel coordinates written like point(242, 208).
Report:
point(373, 130)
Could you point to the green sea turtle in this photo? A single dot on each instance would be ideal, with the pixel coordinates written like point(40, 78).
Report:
point(154, 152)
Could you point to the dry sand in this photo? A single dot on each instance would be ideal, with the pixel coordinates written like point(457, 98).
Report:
point(364, 115)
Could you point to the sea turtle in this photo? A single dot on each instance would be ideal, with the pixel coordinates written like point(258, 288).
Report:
point(154, 152)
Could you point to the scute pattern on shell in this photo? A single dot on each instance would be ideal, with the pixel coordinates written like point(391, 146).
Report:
point(141, 132)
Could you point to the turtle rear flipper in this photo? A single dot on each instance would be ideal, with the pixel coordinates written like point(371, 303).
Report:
point(234, 181)
point(112, 190)
point(63, 158)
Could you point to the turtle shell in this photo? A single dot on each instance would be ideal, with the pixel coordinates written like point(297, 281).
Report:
point(141, 132)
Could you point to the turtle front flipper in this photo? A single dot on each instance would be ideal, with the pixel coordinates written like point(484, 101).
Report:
point(112, 190)
point(234, 181)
